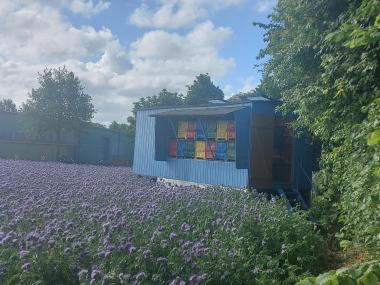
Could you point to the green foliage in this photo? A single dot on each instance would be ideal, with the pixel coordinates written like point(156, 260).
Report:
point(58, 104)
point(242, 96)
point(129, 128)
point(7, 105)
point(324, 65)
point(364, 274)
point(164, 98)
point(202, 91)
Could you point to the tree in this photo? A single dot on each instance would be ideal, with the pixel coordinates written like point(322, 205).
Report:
point(58, 104)
point(163, 98)
point(128, 128)
point(202, 91)
point(243, 96)
point(7, 105)
point(324, 64)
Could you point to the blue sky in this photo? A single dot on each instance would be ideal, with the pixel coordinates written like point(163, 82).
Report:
point(124, 50)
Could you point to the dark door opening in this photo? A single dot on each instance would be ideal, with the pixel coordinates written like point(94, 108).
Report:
point(262, 152)
point(282, 152)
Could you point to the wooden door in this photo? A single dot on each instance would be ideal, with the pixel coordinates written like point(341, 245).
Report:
point(262, 152)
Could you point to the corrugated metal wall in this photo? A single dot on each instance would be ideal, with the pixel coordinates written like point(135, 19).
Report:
point(91, 146)
point(33, 150)
point(15, 144)
point(200, 171)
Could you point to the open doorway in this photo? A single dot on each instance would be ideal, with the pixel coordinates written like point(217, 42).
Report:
point(282, 152)
point(261, 152)
point(271, 152)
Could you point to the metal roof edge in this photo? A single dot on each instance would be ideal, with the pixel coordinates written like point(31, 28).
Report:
point(245, 103)
point(202, 111)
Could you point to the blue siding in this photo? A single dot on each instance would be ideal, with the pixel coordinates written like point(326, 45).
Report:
point(90, 148)
point(200, 171)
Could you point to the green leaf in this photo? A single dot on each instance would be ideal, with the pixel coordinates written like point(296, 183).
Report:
point(347, 273)
point(377, 22)
point(377, 171)
point(344, 244)
point(328, 278)
point(346, 281)
point(307, 281)
point(374, 138)
point(368, 278)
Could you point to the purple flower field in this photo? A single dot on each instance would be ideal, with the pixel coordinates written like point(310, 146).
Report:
point(74, 224)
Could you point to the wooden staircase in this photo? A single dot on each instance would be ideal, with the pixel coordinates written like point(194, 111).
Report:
point(293, 198)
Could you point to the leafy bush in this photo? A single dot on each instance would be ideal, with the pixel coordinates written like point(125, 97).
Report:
point(364, 274)
point(324, 64)
point(87, 224)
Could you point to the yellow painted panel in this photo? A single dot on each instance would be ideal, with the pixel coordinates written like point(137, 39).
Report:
point(221, 130)
point(182, 129)
point(200, 149)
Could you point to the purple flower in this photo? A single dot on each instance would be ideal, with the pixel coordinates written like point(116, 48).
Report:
point(82, 274)
point(140, 275)
point(123, 277)
point(172, 236)
point(26, 266)
point(185, 227)
point(131, 249)
point(107, 279)
point(146, 253)
point(24, 253)
point(96, 274)
point(202, 277)
point(193, 278)
point(162, 260)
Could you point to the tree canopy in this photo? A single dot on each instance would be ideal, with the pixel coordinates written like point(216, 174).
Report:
point(202, 91)
point(163, 98)
point(128, 128)
point(58, 104)
point(7, 105)
point(324, 63)
point(242, 96)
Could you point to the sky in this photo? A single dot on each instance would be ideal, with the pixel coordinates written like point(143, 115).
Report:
point(123, 50)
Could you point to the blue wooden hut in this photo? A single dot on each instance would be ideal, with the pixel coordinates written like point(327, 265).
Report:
point(253, 147)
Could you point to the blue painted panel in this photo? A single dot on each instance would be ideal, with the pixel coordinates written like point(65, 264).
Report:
point(221, 150)
point(163, 134)
point(264, 108)
point(201, 129)
point(92, 143)
point(303, 162)
point(200, 171)
point(181, 147)
point(243, 129)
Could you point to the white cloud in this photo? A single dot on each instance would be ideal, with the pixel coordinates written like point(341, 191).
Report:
point(264, 6)
point(85, 8)
point(174, 14)
point(38, 36)
point(167, 59)
point(248, 84)
point(88, 8)
point(228, 91)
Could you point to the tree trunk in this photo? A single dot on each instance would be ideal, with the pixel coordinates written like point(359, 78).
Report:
point(58, 142)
